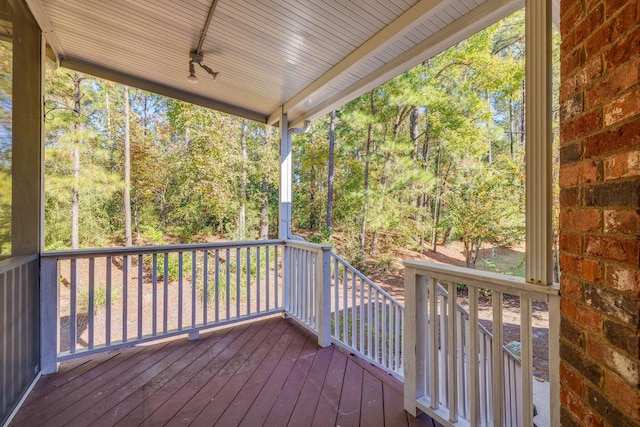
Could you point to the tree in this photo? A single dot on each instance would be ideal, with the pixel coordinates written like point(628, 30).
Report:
point(330, 178)
point(127, 169)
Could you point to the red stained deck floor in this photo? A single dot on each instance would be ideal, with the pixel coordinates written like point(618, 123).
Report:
point(268, 372)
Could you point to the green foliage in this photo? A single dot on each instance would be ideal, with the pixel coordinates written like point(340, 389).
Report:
point(384, 263)
point(99, 297)
point(324, 237)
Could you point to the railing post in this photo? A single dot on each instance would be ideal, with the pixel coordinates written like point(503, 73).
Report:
point(414, 332)
point(554, 359)
point(323, 296)
point(409, 341)
point(49, 315)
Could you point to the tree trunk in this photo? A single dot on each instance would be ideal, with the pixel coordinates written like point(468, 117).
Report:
point(75, 199)
point(264, 208)
point(367, 156)
point(75, 189)
point(243, 184)
point(127, 169)
point(332, 139)
point(438, 203)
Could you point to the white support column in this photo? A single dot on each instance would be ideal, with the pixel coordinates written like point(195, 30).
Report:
point(539, 268)
point(286, 176)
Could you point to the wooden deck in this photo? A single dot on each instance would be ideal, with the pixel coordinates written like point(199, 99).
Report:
point(267, 372)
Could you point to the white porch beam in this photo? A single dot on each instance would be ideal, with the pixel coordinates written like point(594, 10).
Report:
point(539, 234)
point(387, 36)
point(35, 6)
point(160, 89)
point(479, 18)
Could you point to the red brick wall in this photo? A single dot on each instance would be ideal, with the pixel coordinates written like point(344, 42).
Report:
point(600, 212)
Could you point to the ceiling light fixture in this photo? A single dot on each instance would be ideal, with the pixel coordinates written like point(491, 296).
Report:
point(196, 58)
point(192, 73)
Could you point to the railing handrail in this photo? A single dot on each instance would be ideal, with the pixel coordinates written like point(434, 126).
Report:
point(84, 253)
point(485, 279)
point(309, 246)
point(366, 279)
point(16, 261)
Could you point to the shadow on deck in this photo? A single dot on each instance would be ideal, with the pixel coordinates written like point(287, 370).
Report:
point(268, 372)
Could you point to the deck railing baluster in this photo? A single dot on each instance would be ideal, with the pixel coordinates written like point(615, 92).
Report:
point(91, 308)
point(109, 263)
point(194, 279)
point(140, 295)
point(154, 285)
point(165, 298)
point(227, 264)
point(125, 293)
point(217, 286)
point(248, 281)
point(205, 285)
point(180, 290)
point(73, 299)
point(258, 285)
point(238, 275)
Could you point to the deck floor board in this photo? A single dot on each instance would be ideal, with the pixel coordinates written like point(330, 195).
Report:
point(268, 372)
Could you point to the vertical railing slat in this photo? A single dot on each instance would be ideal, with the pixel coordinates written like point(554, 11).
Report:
point(361, 345)
point(433, 344)
point(248, 263)
point(238, 275)
point(336, 298)
point(451, 350)
point(194, 278)
point(165, 298)
point(276, 276)
point(354, 310)
point(498, 361)
point(205, 285)
point(217, 286)
point(140, 296)
point(72, 306)
point(92, 300)
point(258, 284)
point(154, 296)
point(109, 263)
point(180, 290)
point(227, 264)
point(125, 294)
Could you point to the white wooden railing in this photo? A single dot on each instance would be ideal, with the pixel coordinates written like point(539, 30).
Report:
point(366, 319)
point(331, 298)
point(512, 366)
point(307, 287)
point(452, 372)
point(109, 298)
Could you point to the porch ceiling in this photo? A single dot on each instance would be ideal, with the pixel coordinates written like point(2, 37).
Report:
point(304, 57)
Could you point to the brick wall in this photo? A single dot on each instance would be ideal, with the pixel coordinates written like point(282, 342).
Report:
point(600, 212)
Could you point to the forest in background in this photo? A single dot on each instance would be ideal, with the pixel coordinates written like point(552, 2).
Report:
point(435, 155)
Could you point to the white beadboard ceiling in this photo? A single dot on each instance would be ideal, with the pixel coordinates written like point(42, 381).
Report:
point(303, 57)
